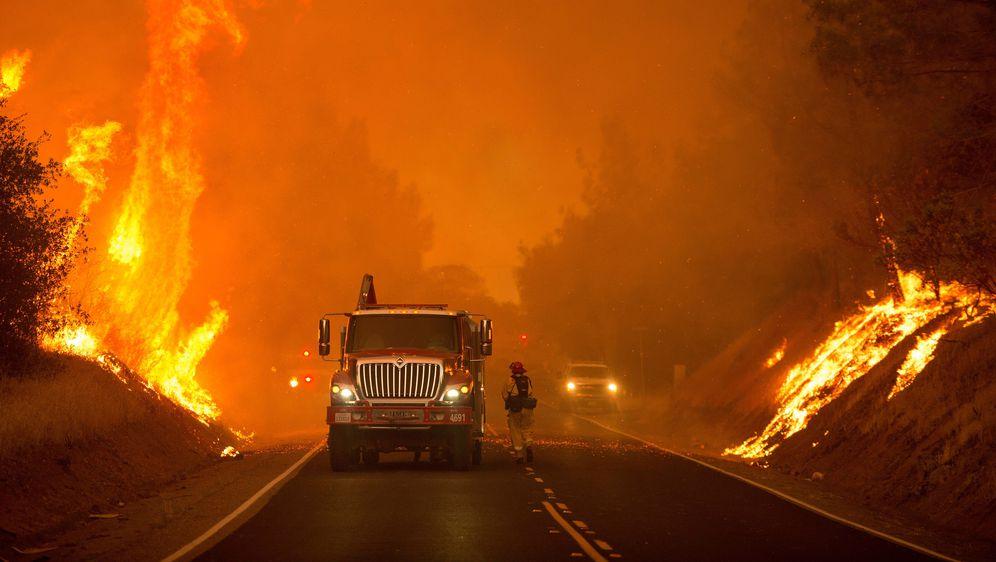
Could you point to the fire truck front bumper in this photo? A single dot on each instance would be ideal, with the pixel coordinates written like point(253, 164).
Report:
point(398, 416)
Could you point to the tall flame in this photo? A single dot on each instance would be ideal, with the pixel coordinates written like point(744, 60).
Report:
point(147, 266)
point(12, 66)
point(89, 147)
point(856, 344)
point(149, 249)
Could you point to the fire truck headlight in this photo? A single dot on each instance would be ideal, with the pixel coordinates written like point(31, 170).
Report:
point(336, 389)
point(571, 386)
point(613, 387)
point(346, 394)
point(453, 394)
point(464, 389)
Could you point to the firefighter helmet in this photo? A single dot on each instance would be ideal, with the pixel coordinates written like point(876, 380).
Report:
point(517, 368)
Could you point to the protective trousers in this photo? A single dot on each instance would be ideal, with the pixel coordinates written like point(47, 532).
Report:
point(520, 427)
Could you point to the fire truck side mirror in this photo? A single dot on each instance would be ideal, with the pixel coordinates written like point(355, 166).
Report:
point(342, 341)
point(324, 336)
point(487, 337)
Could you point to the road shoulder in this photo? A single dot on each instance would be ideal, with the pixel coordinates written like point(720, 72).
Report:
point(157, 526)
point(822, 497)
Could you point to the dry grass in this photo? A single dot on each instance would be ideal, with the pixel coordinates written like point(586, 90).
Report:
point(68, 403)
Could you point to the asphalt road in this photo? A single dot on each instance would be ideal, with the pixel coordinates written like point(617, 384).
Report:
point(626, 501)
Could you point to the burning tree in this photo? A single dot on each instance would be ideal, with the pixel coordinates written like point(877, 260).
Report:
point(33, 243)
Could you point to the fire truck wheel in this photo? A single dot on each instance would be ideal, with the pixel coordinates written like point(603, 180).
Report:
point(371, 456)
point(478, 452)
point(342, 455)
point(461, 450)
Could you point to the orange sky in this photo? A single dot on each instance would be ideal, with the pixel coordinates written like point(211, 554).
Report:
point(483, 107)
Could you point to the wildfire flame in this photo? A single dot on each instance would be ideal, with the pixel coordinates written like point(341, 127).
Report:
point(12, 66)
point(147, 264)
point(917, 359)
point(777, 355)
point(857, 344)
point(89, 147)
point(74, 340)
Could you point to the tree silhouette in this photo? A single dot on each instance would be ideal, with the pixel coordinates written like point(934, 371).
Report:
point(32, 237)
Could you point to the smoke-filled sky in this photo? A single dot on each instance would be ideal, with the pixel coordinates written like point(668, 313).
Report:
point(334, 139)
point(483, 107)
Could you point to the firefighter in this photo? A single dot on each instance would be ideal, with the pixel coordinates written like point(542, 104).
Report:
point(520, 403)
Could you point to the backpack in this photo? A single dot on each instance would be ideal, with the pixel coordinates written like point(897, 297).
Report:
point(521, 399)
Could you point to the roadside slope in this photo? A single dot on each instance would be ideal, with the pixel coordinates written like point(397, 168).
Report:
point(76, 439)
point(927, 452)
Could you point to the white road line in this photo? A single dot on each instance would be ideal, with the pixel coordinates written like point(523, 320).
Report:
point(488, 427)
point(582, 542)
point(548, 491)
point(782, 495)
point(603, 545)
point(540, 480)
point(272, 484)
point(563, 507)
point(580, 524)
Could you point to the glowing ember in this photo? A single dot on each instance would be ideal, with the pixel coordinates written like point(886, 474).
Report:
point(12, 66)
point(293, 382)
point(917, 359)
point(777, 355)
point(856, 345)
point(230, 452)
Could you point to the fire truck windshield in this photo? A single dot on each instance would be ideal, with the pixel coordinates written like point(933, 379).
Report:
point(392, 331)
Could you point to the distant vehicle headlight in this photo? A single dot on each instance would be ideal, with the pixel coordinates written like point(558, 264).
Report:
point(571, 386)
point(613, 387)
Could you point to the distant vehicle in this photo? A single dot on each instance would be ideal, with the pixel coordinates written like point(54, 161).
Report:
point(410, 378)
point(590, 386)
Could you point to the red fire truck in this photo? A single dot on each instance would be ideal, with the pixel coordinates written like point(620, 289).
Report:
point(410, 377)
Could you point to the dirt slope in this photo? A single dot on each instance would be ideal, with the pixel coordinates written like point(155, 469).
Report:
point(928, 450)
point(77, 440)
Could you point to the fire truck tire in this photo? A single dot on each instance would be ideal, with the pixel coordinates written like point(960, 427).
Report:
point(371, 456)
point(342, 455)
point(461, 449)
point(478, 452)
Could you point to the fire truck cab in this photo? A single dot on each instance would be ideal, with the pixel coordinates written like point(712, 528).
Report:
point(410, 377)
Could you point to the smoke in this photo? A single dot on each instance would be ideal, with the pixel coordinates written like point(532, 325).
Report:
point(427, 145)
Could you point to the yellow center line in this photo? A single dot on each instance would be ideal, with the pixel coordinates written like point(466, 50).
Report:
point(586, 546)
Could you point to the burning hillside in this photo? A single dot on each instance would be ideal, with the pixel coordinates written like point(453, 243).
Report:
point(857, 344)
point(892, 404)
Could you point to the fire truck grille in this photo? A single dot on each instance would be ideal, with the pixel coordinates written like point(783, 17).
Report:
point(409, 381)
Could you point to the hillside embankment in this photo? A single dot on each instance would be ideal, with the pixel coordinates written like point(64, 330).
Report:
point(80, 441)
point(926, 451)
